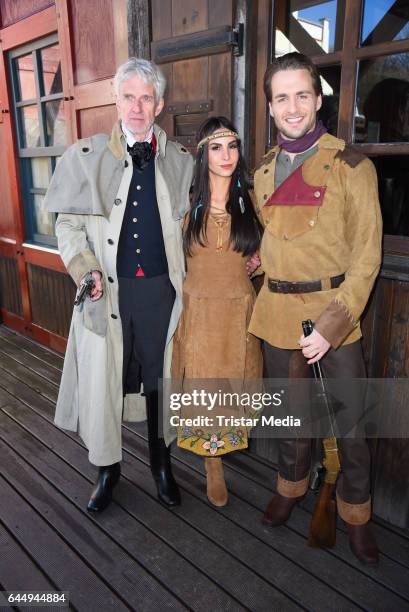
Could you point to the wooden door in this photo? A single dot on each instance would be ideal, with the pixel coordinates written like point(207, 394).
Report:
point(193, 41)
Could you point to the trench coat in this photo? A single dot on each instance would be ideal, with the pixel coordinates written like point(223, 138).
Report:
point(89, 192)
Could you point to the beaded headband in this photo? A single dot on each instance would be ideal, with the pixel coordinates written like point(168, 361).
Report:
point(217, 135)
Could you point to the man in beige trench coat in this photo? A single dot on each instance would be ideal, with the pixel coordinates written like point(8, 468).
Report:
point(119, 201)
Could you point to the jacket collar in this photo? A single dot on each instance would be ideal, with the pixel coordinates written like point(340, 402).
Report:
point(117, 141)
point(327, 141)
point(161, 139)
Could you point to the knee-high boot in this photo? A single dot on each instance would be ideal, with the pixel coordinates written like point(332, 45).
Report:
point(159, 453)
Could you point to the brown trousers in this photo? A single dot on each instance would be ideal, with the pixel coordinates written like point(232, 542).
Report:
point(353, 486)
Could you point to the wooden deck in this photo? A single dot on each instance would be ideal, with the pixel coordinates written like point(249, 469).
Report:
point(141, 556)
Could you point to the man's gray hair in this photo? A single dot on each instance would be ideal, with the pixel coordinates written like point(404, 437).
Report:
point(148, 71)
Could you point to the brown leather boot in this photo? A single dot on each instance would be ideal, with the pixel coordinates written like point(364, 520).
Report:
point(216, 486)
point(363, 543)
point(279, 509)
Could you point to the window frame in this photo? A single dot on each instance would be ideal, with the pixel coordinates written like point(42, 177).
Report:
point(24, 154)
point(348, 58)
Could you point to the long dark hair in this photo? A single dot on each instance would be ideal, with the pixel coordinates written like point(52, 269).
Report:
point(245, 232)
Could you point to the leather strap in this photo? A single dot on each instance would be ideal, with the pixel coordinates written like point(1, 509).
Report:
point(278, 286)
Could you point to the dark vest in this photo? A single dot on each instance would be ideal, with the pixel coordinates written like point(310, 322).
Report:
point(141, 238)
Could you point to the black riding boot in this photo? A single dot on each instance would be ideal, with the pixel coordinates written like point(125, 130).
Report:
point(159, 453)
point(101, 495)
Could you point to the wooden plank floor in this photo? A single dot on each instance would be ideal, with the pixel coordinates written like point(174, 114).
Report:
point(141, 556)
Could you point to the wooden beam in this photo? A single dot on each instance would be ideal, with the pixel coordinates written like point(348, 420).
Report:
point(263, 46)
point(393, 21)
point(8, 248)
point(43, 258)
point(64, 38)
point(352, 25)
point(120, 18)
point(139, 28)
point(386, 48)
point(301, 39)
point(198, 44)
point(244, 77)
point(13, 178)
point(383, 148)
point(328, 59)
point(396, 245)
point(97, 93)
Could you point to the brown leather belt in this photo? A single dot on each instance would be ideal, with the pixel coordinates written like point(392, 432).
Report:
point(278, 286)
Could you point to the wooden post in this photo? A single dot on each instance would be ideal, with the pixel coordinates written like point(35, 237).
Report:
point(139, 28)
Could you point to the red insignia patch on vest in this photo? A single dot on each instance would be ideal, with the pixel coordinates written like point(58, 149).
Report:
point(294, 191)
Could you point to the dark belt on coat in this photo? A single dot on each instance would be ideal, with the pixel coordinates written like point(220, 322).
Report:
point(279, 286)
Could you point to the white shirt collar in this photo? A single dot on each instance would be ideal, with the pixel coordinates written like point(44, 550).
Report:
point(130, 138)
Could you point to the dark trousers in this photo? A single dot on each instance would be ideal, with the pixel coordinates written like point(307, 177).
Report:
point(145, 306)
point(353, 485)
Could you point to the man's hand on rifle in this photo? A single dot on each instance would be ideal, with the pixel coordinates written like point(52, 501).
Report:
point(314, 346)
point(97, 290)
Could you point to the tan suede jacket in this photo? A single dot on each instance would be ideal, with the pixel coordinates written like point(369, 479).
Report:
point(309, 242)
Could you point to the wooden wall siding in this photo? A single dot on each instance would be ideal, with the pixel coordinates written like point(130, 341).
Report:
point(386, 347)
point(15, 10)
point(10, 293)
point(52, 295)
point(95, 120)
point(189, 16)
point(92, 28)
point(385, 330)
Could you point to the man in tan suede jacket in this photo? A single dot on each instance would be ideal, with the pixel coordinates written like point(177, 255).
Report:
point(321, 253)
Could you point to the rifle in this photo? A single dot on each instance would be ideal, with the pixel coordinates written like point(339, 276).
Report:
point(323, 523)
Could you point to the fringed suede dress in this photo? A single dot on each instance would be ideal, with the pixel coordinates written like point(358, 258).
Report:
point(212, 341)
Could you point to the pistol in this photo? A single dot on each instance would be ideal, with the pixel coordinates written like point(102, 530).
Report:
point(86, 286)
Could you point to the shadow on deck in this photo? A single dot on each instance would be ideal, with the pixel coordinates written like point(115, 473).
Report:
point(141, 556)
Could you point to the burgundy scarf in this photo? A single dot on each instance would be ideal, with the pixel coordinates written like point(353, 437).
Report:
point(305, 142)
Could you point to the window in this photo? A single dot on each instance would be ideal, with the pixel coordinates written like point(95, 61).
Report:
point(362, 50)
point(41, 131)
point(315, 29)
point(383, 99)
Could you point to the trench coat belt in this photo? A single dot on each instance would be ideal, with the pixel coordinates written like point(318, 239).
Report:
point(279, 286)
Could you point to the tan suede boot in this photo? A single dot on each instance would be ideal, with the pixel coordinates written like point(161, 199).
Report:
point(216, 486)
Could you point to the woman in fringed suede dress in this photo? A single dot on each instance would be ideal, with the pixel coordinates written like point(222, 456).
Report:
point(221, 232)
